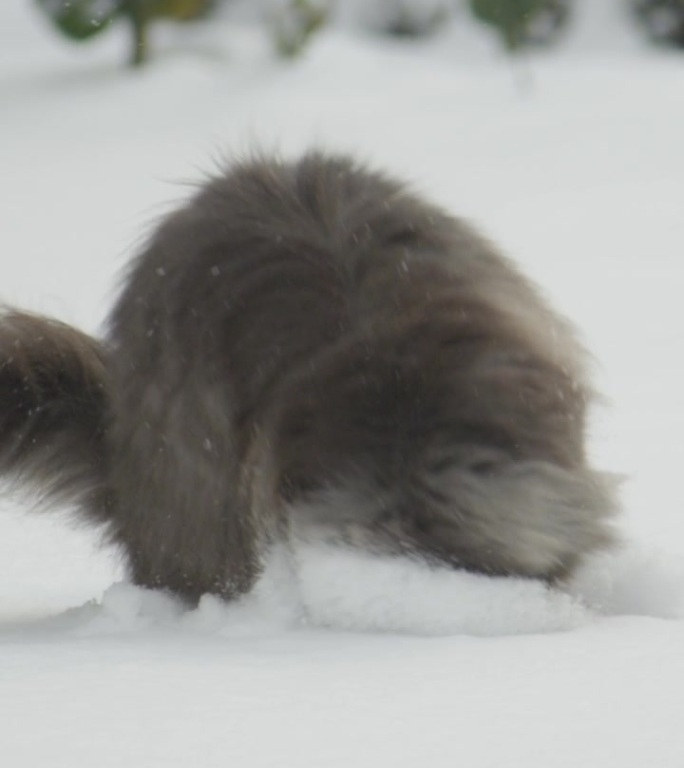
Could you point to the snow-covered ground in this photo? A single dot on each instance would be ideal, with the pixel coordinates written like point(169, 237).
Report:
point(572, 160)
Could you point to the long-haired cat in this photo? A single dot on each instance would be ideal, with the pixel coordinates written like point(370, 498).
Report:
point(307, 349)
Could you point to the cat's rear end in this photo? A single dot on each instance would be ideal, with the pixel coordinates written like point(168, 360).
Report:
point(309, 350)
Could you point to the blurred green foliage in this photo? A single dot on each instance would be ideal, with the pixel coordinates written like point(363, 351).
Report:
point(293, 25)
point(663, 20)
point(83, 19)
point(522, 22)
point(409, 19)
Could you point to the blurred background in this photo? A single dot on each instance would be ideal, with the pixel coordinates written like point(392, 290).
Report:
point(554, 125)
point(108, 106)
point(292, 24)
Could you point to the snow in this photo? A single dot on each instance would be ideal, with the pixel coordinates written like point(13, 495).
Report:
point(571, 160)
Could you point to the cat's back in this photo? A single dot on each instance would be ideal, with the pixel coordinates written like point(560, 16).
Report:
point(274, 259)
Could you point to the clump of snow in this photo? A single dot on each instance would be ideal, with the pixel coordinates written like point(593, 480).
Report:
point(341, 589)
point(357, 591)
point(635, 581)
point(127, 609)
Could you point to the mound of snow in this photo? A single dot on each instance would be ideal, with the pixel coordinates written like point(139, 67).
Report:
point(340, 589)
point(634, 581)
point(354, 591)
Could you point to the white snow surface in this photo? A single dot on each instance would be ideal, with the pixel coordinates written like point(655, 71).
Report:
point(572, 161)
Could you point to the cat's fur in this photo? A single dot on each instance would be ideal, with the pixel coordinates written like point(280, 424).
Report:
point(309, 350)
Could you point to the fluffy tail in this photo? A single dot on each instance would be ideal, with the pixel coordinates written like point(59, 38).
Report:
point(53, 412)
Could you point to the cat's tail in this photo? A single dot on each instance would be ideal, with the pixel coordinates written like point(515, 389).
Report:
point(54, 412)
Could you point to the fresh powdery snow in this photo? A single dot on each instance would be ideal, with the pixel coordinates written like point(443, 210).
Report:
point(570, 159)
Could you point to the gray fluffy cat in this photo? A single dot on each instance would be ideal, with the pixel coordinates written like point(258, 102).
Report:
point(309, 350)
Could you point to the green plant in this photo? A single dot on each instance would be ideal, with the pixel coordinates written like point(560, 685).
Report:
point(407, 19)
point(293, 26)
point(522, 22)
point(663, 20)
point(83, 19)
